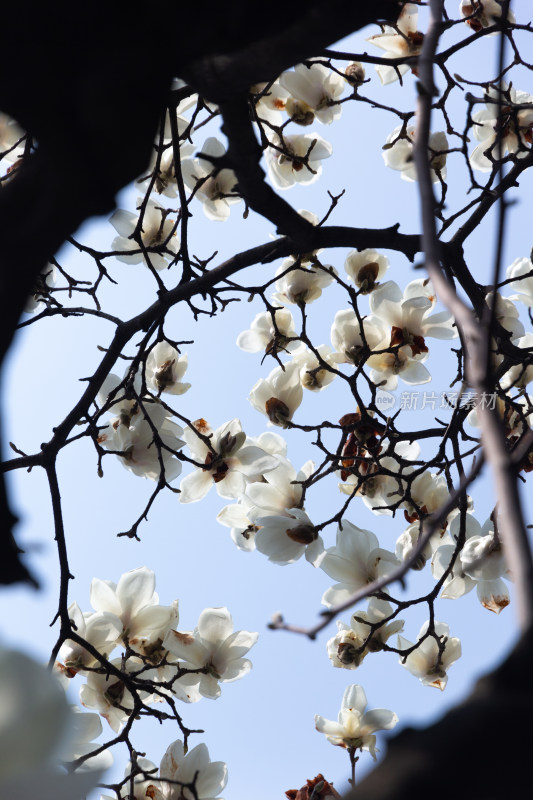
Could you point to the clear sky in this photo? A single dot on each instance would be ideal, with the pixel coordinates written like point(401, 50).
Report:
point(263, 725)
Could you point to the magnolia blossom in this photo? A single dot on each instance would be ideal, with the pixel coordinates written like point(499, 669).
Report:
point(347, 336)
point(243, 529)
point(366, 268)
point(134, 601)
point(84, 729)
point(45, 281)
point(398, 153)
point(314, 91)
point(296, 159)
point(353, 642)
point(355, 729)
point(301, 284)
point(101, 630)
point(401, 43)
point(34, 723)
point(144, 786)
point(270, 332)
point(408, 315)
point(212, 646)
point(484, 13)
point(135, 440)
point(520, 375)
point(522, 281)
point(502, 125)
point(229, 461)
point(426, 662)
point(216, 190)
point(481, 563)
point(287, 537)
point(165, 179)
point(157, 234)
point(279, 395)
point(165, 368)
point(506, 313)
point(108, 695)
point(270, 102)
point(356, 560)
point(10, 135)
point(313, 375)
point(190, 767)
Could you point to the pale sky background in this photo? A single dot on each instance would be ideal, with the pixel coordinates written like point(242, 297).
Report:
point(262, 725)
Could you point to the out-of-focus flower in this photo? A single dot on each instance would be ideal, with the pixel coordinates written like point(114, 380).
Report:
point(85, 728)
point(398, 153)
point(194, 768)
point(430, 662)
point(356, 560)
point(296, 159)
point(165, 368)
point(279, 395)
point(352, 643)
point(287, 537)
point(45, 281)
point(481, 563)
point(157, 234)
point(356, 729)
point(400, 42)
point(314, 91)
point(215, 189)
point(484, 13)
point(507, 314)
point(230, 461)
point(366, 268)
point(10, 134)
point(501, 121)
point(34, 721)
point(212, 646)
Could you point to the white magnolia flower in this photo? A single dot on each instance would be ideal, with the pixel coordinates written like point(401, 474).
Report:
point(280, 490)
point(41, 289)
point(165, 368)
point(507, 314)
point(165, 180)
point(287, 537)
point(134, 439)
point(143, 787)
point(347, 337)
point(401, 43)
point(101, 630)
point(303, 284)
point(243, 529)
point(408, 541)
point(271, 101)
point(313, 375)
point(520, 375)
point(426, 662)
point(135, 603)
point(230, 461)
point(398, 153)
point(515, 127)
point(352, 643)
point(355, 729)
point(193, 767)
point(484, 13)
point(356, 560)
point(216, 190)
point(314, 92)
point(296, 159)
point(10, 134)
point(212, 646)
point(85, 728)
point(481, 563)
point(366, 268)
point(279, 395)
point(157, 234)
point(263, 335)
point(516, 272)
point(108, 695)
point(34, 722)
